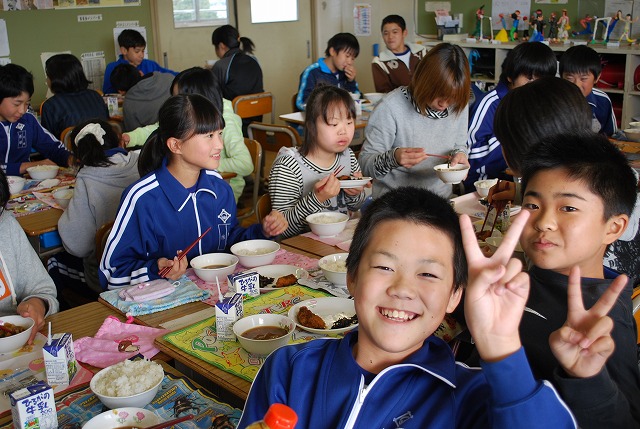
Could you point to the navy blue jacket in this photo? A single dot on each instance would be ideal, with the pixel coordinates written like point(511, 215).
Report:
point(319, 72)
point(602, 112)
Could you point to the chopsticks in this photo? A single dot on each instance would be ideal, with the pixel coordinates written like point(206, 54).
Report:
point(438, 156)
point(163, 272)
point(174, 421)
point(335, 173)
point(486, 216)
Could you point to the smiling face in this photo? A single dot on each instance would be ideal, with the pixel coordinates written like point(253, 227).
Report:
point(584, 81)
point(393, 37)
point(567, 225)
point(133, 55)
point(201, 151)
point(13, 108)
point(402, 289)
point(335, 136)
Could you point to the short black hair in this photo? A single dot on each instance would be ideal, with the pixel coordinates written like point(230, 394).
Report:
point(590, 158)
point(66, 74)
point(131, 39)
point(394, 19)
point(4, 189)
point(198, 80)
point(581, 59)
point(533, 60)
point(226, 34)
point(14, 80)
point(124, 76)
point(343, 42)
point(88, 150)
point(416, 205)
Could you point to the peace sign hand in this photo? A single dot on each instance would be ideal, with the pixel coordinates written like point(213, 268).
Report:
point(583, 344)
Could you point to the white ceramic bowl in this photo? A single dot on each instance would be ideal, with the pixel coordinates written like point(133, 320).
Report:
point(355, 95)
point(263, 347)
point(483, 186)
point(15, 342)
point(227, 261)
point(16, 184)
point(62, 197)
point(141, 399)
point(327, 224)
point(494, 243)
point(335, 277)
point(373, 97)
point(634, 124)
point(41, 172)
point(255, 253)
point(633, 134)
point(123, 417)
point(451, 175)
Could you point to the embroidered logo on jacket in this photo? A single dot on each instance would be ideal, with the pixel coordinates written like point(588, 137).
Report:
point(402, 418)
point(224, 216)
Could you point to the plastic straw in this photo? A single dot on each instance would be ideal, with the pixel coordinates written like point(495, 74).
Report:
point(49, 336)
point(219, 291)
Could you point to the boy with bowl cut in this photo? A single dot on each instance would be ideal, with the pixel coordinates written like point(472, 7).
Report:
point(405, 270)
point(580, 191)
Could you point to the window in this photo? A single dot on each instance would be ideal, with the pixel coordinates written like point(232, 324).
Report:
point(273, 11)
point(200, 13)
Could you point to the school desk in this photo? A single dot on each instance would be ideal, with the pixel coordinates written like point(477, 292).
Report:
point(298, 119)
point(305, 244)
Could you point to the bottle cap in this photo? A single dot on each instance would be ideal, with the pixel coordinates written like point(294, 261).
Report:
point(280, 416)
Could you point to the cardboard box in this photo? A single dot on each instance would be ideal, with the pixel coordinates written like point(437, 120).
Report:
point(60, 359)
point(33, 407)
point(228, 311)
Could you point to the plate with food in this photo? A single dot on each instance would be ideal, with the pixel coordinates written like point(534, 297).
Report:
point(353, 182)
point(273, 277)
point(329, 315)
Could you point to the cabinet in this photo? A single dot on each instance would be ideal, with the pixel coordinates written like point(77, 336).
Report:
point(625, 58)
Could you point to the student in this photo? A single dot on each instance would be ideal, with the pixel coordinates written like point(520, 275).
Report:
point(144, 94)
point(395, 65)
point(235, 156)
point(132, 47)
point(523, 64)
point(26, 287)
point(582, 66)
point(180, 197)
point(302, 180)
point(406, 269)
point(580, 191)
point(336, 68)
point(427, 117)
point(105, 171)
point(73, 101)
point(22, 131)
point(237, 70)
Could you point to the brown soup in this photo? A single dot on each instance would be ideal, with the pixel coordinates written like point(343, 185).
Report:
point(265, 333)
point(214, 267)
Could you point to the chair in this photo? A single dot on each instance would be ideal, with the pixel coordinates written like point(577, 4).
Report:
point(256, 156)
point(263, 207)
point(273, 137)
point(65, 137)
point(635, 296)
point(294, 107)
point(101, 238)
point(250, 105)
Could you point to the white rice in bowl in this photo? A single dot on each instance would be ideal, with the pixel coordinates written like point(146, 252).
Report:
point(327, 219)
point(335, 266)
point(254, 252)
point(43, 167)
point(129, 378)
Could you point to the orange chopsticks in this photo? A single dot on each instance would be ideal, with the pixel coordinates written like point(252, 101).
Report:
point(163, 272)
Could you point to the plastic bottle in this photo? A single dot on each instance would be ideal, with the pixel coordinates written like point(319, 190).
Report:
point(278, 416)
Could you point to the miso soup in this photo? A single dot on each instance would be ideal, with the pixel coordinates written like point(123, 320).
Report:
point(265, 333)
point(214, 266)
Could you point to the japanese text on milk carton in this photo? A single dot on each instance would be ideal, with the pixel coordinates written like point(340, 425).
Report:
point(34, 407)
point(228, 311)
point(60, 359)
point(247, 283)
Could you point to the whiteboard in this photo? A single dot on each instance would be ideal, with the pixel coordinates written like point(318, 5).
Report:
point(507, 7)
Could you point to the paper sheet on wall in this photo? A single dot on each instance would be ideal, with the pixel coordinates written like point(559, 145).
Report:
point(93, 64)
point(362, 19)
point(4, 39)
point(118, 30)
point(507, 7)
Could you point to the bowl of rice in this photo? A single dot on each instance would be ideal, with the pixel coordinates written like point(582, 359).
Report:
point(128, 384)
point(334, 268)
point(483, 186)
point(41, 172)
point(452, 174)
point(255, 253)
point(327, 224)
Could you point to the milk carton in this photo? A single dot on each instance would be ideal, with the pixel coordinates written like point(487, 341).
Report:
point(228, 311)
point(60, 359)
point(34, 407)
point(247, 283)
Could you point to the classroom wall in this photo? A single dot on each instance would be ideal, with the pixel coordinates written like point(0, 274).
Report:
point(32, 32)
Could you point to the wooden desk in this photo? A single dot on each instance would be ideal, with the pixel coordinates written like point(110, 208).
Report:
point(154, 320)
point(38, 223)
point(308, 245)
point(226, 175)
point(298, 119)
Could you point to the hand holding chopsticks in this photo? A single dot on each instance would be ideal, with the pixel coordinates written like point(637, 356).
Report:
point(163, 272)
point(334, 187)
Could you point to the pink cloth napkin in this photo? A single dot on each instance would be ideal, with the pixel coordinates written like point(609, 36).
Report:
point(342, 240)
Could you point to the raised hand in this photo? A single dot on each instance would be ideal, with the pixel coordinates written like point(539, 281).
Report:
point(583, 344)
point(496, 292)
point(274, 224)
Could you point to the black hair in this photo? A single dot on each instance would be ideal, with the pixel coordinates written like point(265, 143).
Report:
point(66, 74)
point(226, 34)
point(124, 76)
point(131, 39)
point(14, 80)
point(394, 19)
point(533, 60)
point(558, 105)
point(321, 102)
point(88, 150)
point(4, 190)
point(416, 205)
point(581, 59)
point(182, 117)
point(343, 42)
point(590, 158)
point(247, 46)
point(198, 80)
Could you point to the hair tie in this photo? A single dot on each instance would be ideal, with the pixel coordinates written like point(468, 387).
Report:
point(94, 129)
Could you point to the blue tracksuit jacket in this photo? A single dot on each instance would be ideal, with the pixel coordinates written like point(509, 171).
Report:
point(319, 72)
point(602, 112)
point(145, 67)
point(158, 216)
point(325, 386)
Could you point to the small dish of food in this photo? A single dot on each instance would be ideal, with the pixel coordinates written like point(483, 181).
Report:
point(451, 174)
point(483, 186)
point(128, 383)
point(253, 253)
point(14, 332)
point(327, 224)
point(214, 265)
point(334, 268)
point(273, 277)
point(41, 172)
point(261, 334)
point(329, 315)
point(347, 182)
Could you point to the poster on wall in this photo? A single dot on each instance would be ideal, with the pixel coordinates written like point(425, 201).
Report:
point(552, 1)
point(70, 4)
point(507, 8)
point(362, 19)
point(26, 4)
point(4, 39)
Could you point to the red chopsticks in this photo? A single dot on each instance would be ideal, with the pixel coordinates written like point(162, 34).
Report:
point(163, 272)
point(338, 170)
point(438, 156)
point(174, 421)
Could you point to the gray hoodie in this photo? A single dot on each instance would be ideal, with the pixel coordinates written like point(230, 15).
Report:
point(95, 202)
point(143, 100)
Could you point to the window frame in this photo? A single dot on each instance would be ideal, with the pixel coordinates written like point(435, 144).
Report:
point(200, 22)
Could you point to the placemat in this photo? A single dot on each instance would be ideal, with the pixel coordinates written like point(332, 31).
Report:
point(200, 339)
point(342, 240)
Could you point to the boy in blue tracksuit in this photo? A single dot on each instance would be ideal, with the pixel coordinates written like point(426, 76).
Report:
point(582, 66)
point(336, 68)
point(22, 131)
point(406, 269)
point(132, 47)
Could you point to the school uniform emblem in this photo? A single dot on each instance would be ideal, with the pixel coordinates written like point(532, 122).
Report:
point(224, 216)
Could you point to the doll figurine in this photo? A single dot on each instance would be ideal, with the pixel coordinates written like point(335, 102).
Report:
point(628, 20)
point(479, 17)
point(502, 35)
point(553, 27)
point(617, 17)
point(538, 24)
point(514, 26)
point(563, 26)
point(586, 26)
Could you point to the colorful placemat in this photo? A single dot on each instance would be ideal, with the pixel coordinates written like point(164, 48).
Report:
point(200, 339)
